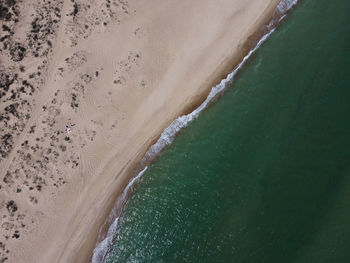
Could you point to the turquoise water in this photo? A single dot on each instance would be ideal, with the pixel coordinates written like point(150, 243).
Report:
point(264, 174)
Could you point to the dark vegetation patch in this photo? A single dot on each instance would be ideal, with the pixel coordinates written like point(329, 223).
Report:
point(8, 10)
point(17, 51)
point(6, 145)
point(63, 148)
point(11, 207)
point(31, 168)
point(43, 28)
point(16, 234)
point(6, 80)
point(74, 103)
point(75, 9)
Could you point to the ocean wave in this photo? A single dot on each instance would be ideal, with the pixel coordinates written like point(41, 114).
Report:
point(169, 134)
point(286, 5)
point(102, 248)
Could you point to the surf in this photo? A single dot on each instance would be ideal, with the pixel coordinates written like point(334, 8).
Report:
point(169, 134)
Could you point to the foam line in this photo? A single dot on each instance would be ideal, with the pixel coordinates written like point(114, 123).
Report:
point(168, 135)
point(102, 248)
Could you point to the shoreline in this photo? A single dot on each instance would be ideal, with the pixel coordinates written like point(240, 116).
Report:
point(109, 157)
point(108, 231)
point(133, 167)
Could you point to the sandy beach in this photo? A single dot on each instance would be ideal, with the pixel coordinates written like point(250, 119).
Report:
point(86, 88)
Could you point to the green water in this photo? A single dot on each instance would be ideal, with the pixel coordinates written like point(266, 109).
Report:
point(264, 174)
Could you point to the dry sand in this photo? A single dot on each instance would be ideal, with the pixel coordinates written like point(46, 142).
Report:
point(119, 72)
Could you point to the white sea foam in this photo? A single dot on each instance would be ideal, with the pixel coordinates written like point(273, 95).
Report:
point(102, 248)
point(168, 135)
point(181, 122)
point(285, 5)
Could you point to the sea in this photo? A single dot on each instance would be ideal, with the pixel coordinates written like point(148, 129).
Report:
point(263, 173)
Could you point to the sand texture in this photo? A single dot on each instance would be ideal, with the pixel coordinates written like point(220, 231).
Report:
point(117, 72)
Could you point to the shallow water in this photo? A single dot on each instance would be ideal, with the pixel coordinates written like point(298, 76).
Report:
point(264, 174)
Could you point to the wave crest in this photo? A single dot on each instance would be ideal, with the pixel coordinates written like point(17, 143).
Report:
point(169, 134)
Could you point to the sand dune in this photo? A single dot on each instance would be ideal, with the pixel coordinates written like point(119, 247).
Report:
point(117, 73)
